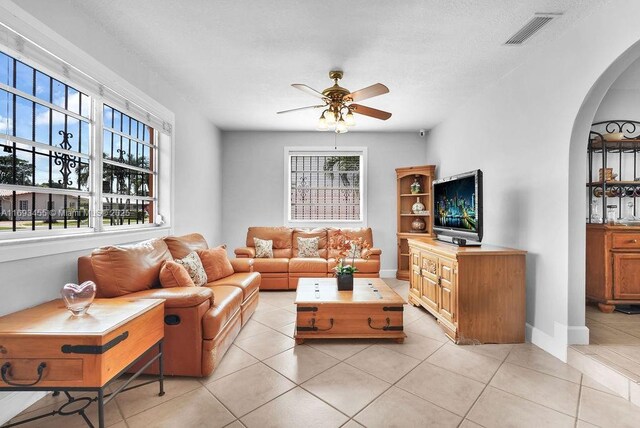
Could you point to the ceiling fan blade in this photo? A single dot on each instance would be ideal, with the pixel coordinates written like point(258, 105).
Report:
point(368, 92)
point(309, 90)
point(371, 112)
point(301, 108)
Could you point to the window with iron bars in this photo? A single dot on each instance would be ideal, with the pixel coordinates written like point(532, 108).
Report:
point(48, 140)
point(325, 187)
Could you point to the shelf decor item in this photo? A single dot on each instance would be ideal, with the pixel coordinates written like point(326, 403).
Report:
point(418, 207)
point(415, 186)
point(347, 247)
point(78, 298)
point(595, 211)
point(418, 225)
point(611, 214)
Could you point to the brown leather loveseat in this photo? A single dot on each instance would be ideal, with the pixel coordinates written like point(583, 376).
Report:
point(200, 322)
point(282, 271)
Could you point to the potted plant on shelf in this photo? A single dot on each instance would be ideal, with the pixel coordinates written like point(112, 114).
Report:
point(347, 247)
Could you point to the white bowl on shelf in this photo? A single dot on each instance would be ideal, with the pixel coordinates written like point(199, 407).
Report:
point(614, 136)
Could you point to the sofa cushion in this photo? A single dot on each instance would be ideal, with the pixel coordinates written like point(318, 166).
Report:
point(308, 265)
point(216, 263)
point(193, 265)
point(271, 265)
point(264, 248)
point(181, 246)
point(248, 282)
point(363, 266)
point(281, 236)
point(121, 270)
point(320, 233)
point(173, 274)
point(227, 302)
point(364, 233)
point(308, 247)
point(176, 297)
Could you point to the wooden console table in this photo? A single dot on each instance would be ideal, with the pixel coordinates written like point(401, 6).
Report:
point(477, 294)
point(45, 348)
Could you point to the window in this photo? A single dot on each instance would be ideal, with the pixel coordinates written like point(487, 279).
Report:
point(48, 139)
point(325, 185)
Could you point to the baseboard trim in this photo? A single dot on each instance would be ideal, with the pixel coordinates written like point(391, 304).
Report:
point(578, 335)
point(13, 403)
point(556, 345)
point(388, 273)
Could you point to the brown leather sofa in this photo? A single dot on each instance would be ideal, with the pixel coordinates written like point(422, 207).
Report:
point(285, 268)
point(200, 322)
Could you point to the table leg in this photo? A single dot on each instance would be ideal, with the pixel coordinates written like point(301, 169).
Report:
point(161, 363)
point(100, 408)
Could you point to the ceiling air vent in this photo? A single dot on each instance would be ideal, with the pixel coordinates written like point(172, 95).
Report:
point(531, 27)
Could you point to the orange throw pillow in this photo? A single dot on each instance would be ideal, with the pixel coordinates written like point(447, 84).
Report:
point(173, 274)
point(216, 263)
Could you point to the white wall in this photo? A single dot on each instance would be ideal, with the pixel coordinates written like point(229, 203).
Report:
point(253, 180)
point(518, 132)
point(622, 100)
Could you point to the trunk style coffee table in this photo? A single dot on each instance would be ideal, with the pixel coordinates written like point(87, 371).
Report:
point(45, 348)
point(371, 311)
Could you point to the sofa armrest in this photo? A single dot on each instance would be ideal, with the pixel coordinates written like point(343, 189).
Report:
point(242, 264)
point(175, 297)
point(245, 252)
point(374, 252)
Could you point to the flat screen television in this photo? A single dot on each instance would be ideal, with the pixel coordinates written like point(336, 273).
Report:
point(457, 206)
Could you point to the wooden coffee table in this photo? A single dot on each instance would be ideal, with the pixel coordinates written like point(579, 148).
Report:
point(371, 311)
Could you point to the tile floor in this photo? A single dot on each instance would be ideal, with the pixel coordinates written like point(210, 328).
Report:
point(267, 381)
point(613, 355)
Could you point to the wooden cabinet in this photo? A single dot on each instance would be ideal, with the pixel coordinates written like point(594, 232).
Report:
point(477, 294)
point(613, 265)
point(406, 198)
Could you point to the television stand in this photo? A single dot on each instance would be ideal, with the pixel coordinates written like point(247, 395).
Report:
point(460, 242)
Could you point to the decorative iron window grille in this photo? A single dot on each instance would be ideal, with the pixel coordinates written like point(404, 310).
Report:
point(48, 139)
point(325, 188)
point(45, 148)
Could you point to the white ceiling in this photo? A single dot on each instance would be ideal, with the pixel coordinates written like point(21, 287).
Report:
point(237, 58)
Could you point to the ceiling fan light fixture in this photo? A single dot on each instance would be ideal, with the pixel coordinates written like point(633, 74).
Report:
point(349, 119)
point(341, 127)
point(330, 117)
point(322, 124)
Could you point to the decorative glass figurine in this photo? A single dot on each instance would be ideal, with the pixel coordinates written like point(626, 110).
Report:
point(595, 212)
point(630, 218)
point(78, 298)
point(611, 214)
point(415, 186)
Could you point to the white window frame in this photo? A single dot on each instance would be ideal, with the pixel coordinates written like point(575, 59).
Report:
point(325, 151)
point(24, 38)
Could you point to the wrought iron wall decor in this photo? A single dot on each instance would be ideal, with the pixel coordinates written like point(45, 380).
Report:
point(615, 152)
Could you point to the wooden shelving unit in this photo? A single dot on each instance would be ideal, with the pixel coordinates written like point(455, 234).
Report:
point(405, 177)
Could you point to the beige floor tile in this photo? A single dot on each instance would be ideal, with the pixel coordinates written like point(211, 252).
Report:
point(346, 388)
point(401, 409)
point(278, 298)
point(194, 409)
point(499, 352)
point(301, 363)
point(532, 357)
point(140, 399)
point(288, 329)
point(293, 308)
point(600, 372)
point(412, 313)
point(264, 307)
point(457, 359)
point(589, 382)
point(296, 408)
point(500, 409)
point(469, 424)
point(383, 363)
point(451, 391)
point(235, 424)
point(414, 345)
point(630, 351)
point(235, 359)
point(249, 388)
point(112, 416)
point(252, 328)
point(603, 334)
point(265, 345)
point(275, 319)
point(339, 348)
point(351, 424)
point(427, 326)
point(583, 424)
point(606, 410)
point(550, 391)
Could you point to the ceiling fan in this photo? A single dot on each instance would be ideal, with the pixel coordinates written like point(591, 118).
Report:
point(339, 103)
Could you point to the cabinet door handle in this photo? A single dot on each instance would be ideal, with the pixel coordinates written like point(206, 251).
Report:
point(5, 374)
